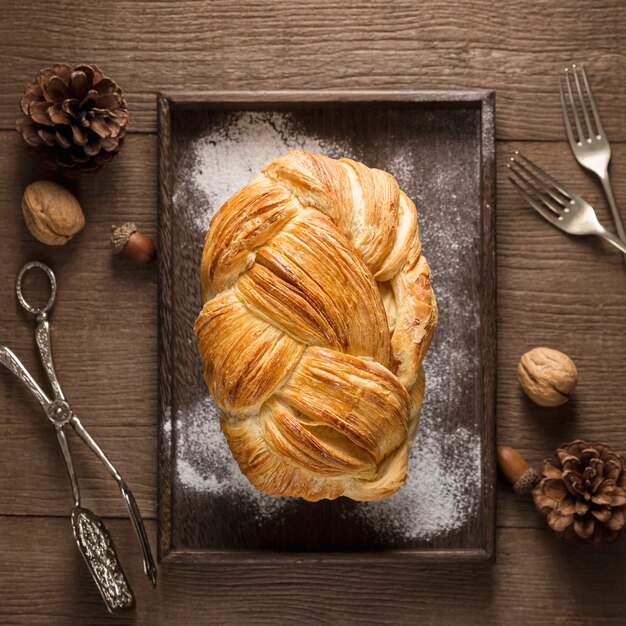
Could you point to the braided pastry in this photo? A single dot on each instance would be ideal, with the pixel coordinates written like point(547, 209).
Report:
point(317, 314)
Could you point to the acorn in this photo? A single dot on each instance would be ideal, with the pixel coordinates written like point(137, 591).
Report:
point(132, 243)
point(516, 470)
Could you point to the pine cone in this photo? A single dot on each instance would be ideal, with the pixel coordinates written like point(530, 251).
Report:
point(74, 120)
point(582, 492)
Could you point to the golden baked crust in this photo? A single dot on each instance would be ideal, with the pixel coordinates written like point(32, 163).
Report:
point(317, 314)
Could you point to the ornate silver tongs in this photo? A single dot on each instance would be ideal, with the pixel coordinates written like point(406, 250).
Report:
point(93, 539)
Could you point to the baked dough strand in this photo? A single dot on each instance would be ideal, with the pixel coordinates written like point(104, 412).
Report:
point(318, 313)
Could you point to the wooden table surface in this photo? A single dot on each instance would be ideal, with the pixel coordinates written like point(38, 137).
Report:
point(552, 290)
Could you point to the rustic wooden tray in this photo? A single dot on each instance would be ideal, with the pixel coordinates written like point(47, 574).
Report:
point(440, 147)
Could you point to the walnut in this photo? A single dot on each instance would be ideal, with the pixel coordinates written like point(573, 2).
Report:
point(52, 214)
point(547, 376)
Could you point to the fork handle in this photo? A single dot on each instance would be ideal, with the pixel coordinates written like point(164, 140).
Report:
point(611, 238)
point(617, 218)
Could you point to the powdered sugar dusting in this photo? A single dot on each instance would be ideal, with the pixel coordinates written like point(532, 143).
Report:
point(234, 153)
point(442, 490)
point(437, 496)
point(204, 461)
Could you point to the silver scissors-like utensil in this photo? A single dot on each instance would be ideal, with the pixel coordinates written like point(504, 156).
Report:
point(93, 539)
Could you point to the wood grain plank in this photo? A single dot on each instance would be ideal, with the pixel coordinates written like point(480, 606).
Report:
point(550, 289)
point(537, 580)
point(566, 293)
point(191, 45)
point(563, 292)
point(104, 341)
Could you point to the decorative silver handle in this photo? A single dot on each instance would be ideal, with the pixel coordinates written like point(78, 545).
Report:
point(13, 364)
point(42, 337)
point(36, 310)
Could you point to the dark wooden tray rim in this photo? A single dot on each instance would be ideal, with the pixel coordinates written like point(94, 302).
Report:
point(484, 100)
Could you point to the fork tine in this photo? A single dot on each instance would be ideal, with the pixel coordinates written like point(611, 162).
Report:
point(559, 185)
point(583, 104)
point(568, 124)
point(592, 102)
point(545, 213)
point(549, 190)
point(572, 104)
point(533, 191)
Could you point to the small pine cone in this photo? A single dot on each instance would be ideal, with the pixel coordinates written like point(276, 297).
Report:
point(582, 492)
point(73, 120)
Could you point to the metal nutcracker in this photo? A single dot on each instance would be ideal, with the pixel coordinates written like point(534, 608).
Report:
point(92, 537)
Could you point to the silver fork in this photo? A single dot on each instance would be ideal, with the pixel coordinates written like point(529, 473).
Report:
point(555, 202)
point(590, 146)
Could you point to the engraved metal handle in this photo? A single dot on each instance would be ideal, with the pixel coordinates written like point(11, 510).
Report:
point(13, 364)
point(36, 310)
point(42, 337)
point(42, 333)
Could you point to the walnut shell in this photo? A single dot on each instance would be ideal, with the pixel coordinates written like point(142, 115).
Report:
point(547, 376)
point(52, 214)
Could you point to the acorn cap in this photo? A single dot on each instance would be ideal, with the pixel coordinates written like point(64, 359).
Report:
point(526, 482)
point(121, 234)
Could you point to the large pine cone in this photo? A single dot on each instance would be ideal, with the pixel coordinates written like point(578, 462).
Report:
point(582, 492)
point(73, 120)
